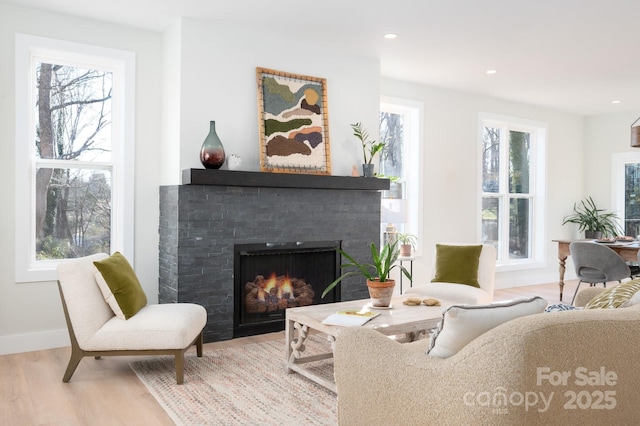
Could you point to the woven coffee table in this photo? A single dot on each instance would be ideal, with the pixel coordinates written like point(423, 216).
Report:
point(405, 322)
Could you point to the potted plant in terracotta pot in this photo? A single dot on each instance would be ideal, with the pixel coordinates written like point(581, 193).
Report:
point(376, 273)
point(407, 244)
point(369, 148)
point(595, 222)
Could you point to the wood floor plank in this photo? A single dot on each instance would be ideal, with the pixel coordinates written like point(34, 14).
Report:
point(107, 392)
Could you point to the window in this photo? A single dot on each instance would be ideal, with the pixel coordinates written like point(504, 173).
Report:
point(512, 213)
point(74, 153)
point(401, 129)
point(626, 191)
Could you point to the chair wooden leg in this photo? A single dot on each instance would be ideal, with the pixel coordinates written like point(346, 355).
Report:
point(199, 344)
point(76, 353)
point(179, 367)
point(76, 357)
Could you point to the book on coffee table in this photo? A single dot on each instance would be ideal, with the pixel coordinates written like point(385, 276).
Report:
point(350, 317)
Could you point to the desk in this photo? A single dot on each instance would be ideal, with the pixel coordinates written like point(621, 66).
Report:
point(627, 251)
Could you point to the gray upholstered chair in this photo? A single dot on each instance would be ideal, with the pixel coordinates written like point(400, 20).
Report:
point(596, 263)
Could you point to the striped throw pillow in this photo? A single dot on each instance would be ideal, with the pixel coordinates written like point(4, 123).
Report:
point(615, 296)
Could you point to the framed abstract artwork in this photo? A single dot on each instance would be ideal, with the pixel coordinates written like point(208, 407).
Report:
point(293, 122)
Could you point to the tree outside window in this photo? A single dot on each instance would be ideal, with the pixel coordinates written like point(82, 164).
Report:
point(632, 200)
point(74, 145)
point(626, 191)
point(509, 202)
point(401, 160)
point(392, 133)
point(73, 129)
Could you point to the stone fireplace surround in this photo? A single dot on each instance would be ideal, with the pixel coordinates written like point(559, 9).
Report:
point(202, 219)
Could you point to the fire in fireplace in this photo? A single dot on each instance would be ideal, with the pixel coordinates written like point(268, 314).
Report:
point(276, 292)
point(271, 277)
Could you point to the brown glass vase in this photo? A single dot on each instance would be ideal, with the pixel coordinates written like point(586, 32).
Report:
point(212, 152)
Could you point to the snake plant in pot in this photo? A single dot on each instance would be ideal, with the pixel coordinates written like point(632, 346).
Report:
point(377, 273)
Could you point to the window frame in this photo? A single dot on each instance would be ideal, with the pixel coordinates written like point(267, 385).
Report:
point(413, 111)
point(30, 50)
point(618, 163)
point(537, 190)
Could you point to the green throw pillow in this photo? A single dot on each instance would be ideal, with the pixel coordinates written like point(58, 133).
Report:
point(457, 264)
point(615, 296)
point(122, 284)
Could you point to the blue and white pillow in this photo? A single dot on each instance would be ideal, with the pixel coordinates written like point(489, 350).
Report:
point(559, 307)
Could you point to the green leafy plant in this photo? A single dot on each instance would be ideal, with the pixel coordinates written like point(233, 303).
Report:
point(409, 239)
point(390, 177)
point(384, 261)
point(589, 217)
point(368, 147)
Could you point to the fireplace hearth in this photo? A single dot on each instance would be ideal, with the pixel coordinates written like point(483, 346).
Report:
point(271, 277)
point(202, 222)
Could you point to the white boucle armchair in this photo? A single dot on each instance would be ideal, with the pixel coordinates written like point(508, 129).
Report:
point(462, 293)
point(94, 330)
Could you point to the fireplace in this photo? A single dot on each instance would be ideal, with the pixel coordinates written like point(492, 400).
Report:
point(213, 211)
point(271, 277)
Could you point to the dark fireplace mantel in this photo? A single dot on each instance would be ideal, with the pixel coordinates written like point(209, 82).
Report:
point(202, 220)
point(280, 180)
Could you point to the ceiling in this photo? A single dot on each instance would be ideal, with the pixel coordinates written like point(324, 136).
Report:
point(571, 55)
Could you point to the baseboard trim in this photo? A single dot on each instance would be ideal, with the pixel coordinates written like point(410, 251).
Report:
point(28, 342)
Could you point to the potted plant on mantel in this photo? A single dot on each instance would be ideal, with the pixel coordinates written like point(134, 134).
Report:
point(407, 244)
point(595, 222)
point(368, 147)
point(376, 273)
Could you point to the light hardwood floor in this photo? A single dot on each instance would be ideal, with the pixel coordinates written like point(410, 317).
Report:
point(107, 391)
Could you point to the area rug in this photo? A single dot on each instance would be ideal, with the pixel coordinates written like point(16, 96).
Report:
point(242, 385)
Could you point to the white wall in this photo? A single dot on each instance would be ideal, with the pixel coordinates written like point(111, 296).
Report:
point(451, 172)
point(31, 314)
point(218, 82)
point(605, 135)
point(171, 77)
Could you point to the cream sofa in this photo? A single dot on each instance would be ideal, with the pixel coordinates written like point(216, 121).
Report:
point(528, 371)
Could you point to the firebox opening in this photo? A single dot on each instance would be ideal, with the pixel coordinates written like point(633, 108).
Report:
point(271, 277)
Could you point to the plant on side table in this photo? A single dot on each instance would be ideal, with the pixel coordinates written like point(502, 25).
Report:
point(376, 273)
point(595, 222)
point(368, 147)
point(407, 244)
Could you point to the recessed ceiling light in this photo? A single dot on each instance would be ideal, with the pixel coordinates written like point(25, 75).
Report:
point(390, 36)
point(491, 71)
point(615, 102)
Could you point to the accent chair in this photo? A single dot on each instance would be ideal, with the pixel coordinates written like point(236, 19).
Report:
point(95, 330)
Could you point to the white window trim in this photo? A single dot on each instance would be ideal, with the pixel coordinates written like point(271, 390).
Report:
point(27, 269)
point(618, 162)
point(538, 183)
point(414, 111)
